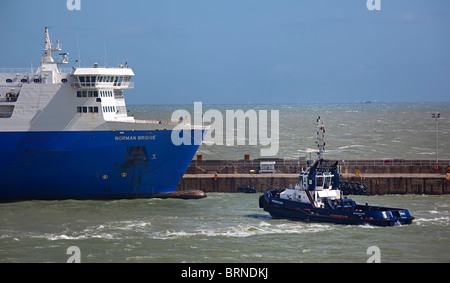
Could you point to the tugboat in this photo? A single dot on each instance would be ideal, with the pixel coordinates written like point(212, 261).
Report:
point(318, 199)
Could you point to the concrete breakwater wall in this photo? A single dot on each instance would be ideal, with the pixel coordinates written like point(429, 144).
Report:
point(381, 176)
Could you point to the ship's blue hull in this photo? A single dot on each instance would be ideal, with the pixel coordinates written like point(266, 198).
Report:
point(351, 214)
point(90, 165)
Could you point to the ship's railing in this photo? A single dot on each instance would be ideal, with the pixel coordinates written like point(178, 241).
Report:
point(394, 162)
point(66, 70)
point(28, 70)
point(17, 70)
point(8, 99)
point(127, 85)
point(9, 85)
point(155, 122)
point(425, 163)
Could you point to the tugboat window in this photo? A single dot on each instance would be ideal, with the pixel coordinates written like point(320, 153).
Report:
point(320, 182)
point(327, 182)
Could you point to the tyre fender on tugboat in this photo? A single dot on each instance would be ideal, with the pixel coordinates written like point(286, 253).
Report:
point(261, 201)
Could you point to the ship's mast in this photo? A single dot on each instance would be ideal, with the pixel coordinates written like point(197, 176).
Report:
point(320, 138)
point(48, 68)
point(47, 56)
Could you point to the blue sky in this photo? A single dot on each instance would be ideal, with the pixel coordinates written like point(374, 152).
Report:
point(247, 51)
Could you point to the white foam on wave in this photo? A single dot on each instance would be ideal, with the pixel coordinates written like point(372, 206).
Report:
point(108, 231)
point(242, 231)
point(441, 221)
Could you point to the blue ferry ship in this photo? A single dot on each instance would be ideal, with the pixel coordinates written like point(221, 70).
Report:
point(67, 135)
point(317, 198)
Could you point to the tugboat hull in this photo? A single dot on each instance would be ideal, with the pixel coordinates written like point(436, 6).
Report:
point(348, 214)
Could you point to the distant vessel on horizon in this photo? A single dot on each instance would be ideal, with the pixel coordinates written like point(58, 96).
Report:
point(67, 135)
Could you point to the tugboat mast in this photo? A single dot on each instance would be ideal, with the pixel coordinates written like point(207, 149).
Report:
point(320, 138)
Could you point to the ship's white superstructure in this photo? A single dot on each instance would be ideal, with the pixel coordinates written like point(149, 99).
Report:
point(77, 99)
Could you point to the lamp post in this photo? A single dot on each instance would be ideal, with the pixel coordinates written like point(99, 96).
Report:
point(436, 117)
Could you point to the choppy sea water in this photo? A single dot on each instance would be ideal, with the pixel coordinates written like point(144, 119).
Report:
point(227, 228)
point(231, 228)
point(353, 131)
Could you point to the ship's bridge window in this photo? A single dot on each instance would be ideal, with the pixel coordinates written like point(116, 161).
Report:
point(87, 80)
point(90, 93)
point(87, 109)
point(109, 109)
point(105, 93)
point(23, 80)
point(8, 80)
